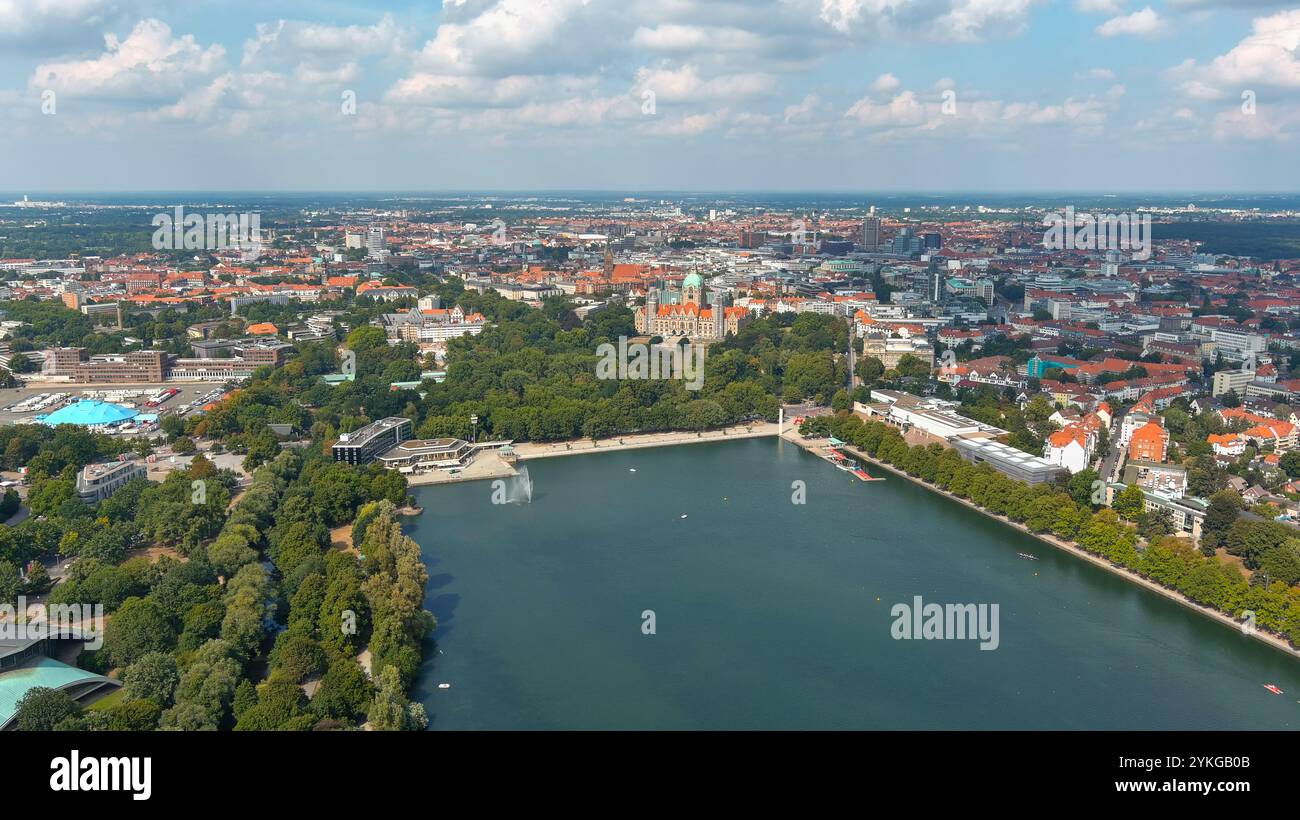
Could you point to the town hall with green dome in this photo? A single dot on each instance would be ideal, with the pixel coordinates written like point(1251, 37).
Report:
point(689, 317)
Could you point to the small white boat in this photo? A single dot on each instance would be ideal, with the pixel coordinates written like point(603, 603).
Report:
point(444, 686)
point(683, 515)
point(631, 469)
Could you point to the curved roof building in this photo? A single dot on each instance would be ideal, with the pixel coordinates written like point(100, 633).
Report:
point(81, 685)
point(90, 412)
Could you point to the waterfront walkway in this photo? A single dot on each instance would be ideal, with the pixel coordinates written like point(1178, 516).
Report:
point(490, 465)
point(640, 440)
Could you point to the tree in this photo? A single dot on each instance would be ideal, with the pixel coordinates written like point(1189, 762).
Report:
point(1130, 502)
point(1220, 515)
point(9, 583)
point(1282, 563)
point(297, 657)
point(183, 445)
point(173, 426)
point(139, 626)
point(230, 552)
point(42, 708)
point(261, 448)
point(135, 716)
point(279, 702)
point(153, 677)
point(1081, 486)
point(1290, 463)
point(910, 366)
point(869, 369)
point(1154, 523)
point(206, 690)
point(344, 691)
point(391, 710)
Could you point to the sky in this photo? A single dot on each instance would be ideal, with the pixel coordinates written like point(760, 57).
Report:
point(710, 95)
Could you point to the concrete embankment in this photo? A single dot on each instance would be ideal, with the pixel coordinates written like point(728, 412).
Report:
point(490, 465)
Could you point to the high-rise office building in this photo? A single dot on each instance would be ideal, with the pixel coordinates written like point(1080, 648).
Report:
point(871, 233)
point(376, 244)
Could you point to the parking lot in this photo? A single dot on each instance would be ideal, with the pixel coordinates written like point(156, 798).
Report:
point(116, 393)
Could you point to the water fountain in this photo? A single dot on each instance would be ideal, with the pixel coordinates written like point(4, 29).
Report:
point(519, 487)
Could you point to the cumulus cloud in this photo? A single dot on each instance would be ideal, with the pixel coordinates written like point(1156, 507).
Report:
point(885, 82)
point(507, 37)
point(29, 21)
point(686, 84)
point(954, 20)
point(1100, 6)
point(149, 63)
point(804, 111)
point(1268, 57)
point(908, 112)
point(293, 41)
point(1144, 23)
point(671, 37)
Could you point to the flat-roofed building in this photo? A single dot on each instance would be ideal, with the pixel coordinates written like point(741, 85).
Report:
point(1153, 476)
point(141, 366)
point(1231, 380)
point(1186, 512)
point(364, 445)
point(934, 416)
point(62, 361)
point(1007, 460)
point(415, 455)
point(96, 482)
point(211, 370)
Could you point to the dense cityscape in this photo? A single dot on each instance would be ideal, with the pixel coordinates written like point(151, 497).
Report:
point(303, 378)
point(460, 376)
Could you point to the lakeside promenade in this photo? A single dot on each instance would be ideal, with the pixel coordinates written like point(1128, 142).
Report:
point(529, 450)
point(487, 466)
point(1270, 639)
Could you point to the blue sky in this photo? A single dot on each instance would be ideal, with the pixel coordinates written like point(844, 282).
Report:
point(979, 95)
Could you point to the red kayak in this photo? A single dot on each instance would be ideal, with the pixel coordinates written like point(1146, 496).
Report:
point(1270, 687)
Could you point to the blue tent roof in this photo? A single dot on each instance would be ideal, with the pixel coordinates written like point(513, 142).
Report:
point(90, 411)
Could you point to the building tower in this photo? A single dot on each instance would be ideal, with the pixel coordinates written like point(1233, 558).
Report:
point(376, 243)
point(871, 233)
point(693, 290)
point(651, 309)
point(609, 263)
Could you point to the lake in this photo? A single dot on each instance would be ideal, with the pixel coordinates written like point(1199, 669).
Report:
point(769, 614)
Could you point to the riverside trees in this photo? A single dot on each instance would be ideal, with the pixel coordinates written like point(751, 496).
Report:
point(1047, 508)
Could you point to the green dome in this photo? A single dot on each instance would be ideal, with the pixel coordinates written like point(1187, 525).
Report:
point(693, 280)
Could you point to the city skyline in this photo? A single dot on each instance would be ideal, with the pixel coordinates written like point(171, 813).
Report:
point(504, 95)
